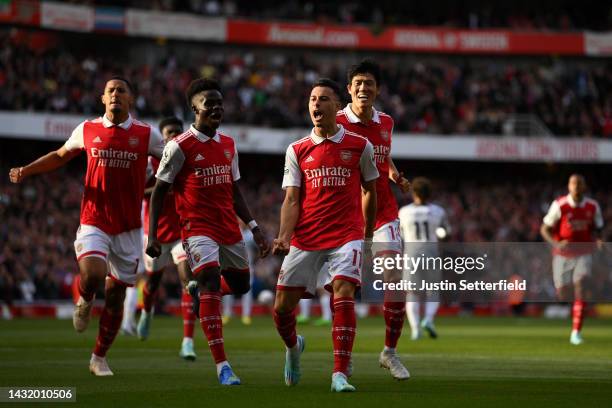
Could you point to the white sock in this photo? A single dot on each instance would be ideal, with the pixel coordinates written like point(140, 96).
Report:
point(305, 308)
point(247, 302)
point(294, 350)
point(430, 311)
point(390, 350)
point(129, 307)
point(412, 311)
point(221, 365)
point(228, 304)
point(187, 340)
point(325, 309)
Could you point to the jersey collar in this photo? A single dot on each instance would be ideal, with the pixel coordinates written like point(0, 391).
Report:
point(353, 118)
point(573, 203)
point(123, 125)
point(204, 138)
point(337, 138)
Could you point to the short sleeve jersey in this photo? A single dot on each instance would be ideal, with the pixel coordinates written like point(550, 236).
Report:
point(203, 171)
point(168, 225)
point(116, 171)
point(574, 222)
point(418, 223)
point(329, 172)
point(379, 132)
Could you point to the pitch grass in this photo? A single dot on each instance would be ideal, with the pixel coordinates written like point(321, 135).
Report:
point(492, 362)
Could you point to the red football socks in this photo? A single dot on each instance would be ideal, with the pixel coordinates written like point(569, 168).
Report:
point(343, 332)
point(577, 315)
point(210, 320)
point(394, 313)
point(107, 331)
point(285, 325)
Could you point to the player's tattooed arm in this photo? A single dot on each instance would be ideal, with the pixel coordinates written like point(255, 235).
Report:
point(49, 162)
point(243, 212)
point(290, 212)
point(368, 204)
point(398, 177)
point(156, 206)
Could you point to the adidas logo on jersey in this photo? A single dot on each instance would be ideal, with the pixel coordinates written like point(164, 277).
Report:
point(309, 159)
point(97, 140)
point(199, 157)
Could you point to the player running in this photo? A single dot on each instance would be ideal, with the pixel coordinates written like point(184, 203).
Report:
point(109, 240)
point(361, 117)
point(202, 167)
point(572, 219)
point(169, 235)
point(322, 221)
point(423, 222)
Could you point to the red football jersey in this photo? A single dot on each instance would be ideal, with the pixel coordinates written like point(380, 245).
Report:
point(379, 132)
point(574, 222)
point(168, 225)
point(329, 172)
point(116, 171)
point(203, 171)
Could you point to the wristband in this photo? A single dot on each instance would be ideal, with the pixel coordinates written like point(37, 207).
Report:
point(252, 224)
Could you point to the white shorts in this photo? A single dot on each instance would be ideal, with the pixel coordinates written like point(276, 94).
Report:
point(122, 252)
point(387, 239)
point(568, 271)
point(204, 252)
point(170, 252)
point(300, 268)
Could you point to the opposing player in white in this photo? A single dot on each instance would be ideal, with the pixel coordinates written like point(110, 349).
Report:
point(422, 222)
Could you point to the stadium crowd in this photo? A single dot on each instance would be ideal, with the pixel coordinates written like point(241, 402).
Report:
point(36, 238)
point(543, 15)
point(473, 95)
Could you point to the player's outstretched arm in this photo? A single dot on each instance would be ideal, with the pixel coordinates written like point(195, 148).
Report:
point(398, 177)
point(49, 162)
point(242, 211)
point(290, 212)
point(156, 206)
point(368, 204)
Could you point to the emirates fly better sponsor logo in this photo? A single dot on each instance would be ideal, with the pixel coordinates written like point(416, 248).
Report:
point(326, 176)
point(380, 153)
point(215, 174)
point(114, 158)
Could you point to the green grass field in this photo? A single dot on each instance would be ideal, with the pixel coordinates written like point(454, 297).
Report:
point(493, 362)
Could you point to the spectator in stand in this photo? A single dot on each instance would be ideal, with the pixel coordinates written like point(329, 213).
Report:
point(424, 95)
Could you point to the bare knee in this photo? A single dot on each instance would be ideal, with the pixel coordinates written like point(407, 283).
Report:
point(343, 288)
point(286, 301)
point(209, 279)
point(114, 295)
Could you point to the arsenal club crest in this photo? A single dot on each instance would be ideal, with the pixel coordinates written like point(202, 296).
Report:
point(133, 141)
point(79, 247)
point(385, 135)
point(196, 257)
point(346, 155)
point(228, 154)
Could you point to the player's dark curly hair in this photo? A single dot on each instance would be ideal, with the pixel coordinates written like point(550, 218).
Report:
point(172, 120)
point(328, 83)
point(421, 187)
point(367, 66)
point(200, 85)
